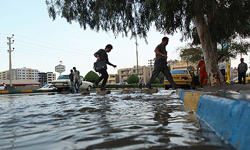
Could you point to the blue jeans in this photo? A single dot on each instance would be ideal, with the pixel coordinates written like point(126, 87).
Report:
point(72, 87)
point(77, 82)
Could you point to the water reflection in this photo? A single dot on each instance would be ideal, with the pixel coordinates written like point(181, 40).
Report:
point(115, 121)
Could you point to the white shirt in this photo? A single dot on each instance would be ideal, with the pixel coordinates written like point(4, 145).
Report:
point(222, 65)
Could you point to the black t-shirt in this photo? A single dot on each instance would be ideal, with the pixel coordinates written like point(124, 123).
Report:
point(71, 77)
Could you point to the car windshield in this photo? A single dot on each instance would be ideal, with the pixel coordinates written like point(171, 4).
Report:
point(45, 86)
point(179, 72)
point(235, 79)
point(64, 77)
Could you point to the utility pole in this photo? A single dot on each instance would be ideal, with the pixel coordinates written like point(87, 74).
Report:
point(10, 66)
point(137, 55)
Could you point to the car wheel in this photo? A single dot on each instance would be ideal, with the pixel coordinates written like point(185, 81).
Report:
point(190, 86)
point(166, 87)
point(59, 89)
point(88, 88)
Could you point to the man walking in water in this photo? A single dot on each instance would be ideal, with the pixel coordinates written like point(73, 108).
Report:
point(102, 55)
point(160, 64)
point(76, 79)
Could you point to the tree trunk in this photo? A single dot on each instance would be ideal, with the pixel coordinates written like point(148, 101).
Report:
point(213, 72)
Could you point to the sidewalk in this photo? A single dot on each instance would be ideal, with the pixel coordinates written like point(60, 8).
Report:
point(226, 88)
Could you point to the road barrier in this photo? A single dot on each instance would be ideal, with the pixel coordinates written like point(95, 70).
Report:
point(229, 118)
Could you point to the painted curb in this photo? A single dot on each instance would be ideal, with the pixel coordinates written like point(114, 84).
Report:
point(229, 118)
point(25, 91)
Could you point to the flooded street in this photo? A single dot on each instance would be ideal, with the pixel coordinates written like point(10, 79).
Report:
point(114, 121)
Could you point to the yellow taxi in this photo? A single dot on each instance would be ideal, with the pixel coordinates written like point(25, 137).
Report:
point(236, 81)
point(182, 78)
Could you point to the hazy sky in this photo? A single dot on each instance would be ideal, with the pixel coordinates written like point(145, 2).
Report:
point(41, 43)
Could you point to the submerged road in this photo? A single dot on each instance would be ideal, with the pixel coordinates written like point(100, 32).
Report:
point(115, 121)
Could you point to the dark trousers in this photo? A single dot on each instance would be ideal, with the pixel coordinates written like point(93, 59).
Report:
point(104, 76)
point(223, 72)
point(160, 65)
point(240, 76)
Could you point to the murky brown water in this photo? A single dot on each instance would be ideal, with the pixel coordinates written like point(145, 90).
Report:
point(115, 121)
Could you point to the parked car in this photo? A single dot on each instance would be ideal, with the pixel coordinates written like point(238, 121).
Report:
point(63, 82)
point(48, 87)
point(182, 78)
point(122, 83)
point(234, 80)
point(2, 88)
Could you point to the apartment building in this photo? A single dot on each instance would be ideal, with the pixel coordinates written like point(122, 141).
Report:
point(143, 71)
point(50, 77)
point(27, 74)
point(4, 75)
point(46, 78)
point(181, 64)
point(113, 79)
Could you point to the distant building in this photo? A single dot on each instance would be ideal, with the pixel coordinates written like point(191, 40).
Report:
point(143, 71)
point(181, 64)
point(42, 78)
point(113, 79)
point(233, 73)
point(28, 74)
point(46, 78)
point(20, 74)
point(50, 77)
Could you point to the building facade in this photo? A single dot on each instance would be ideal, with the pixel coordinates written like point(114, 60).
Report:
point(113, 79)
point(42, 78)
point(46, 78)
point(143, 72)
point(28, 74)
point(50, 77)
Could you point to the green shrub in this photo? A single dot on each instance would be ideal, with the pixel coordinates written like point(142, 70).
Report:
point(132, 79)
point(91, 76)
point(156, 80)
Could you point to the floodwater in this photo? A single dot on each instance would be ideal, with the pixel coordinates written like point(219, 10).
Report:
point(116, 121)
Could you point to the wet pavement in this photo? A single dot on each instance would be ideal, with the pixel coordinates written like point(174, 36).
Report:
point(114, 121)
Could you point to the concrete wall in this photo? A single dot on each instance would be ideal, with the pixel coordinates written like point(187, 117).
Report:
point(27, 87)
point(229, 118)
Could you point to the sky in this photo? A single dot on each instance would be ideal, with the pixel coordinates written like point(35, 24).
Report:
point(41, 43)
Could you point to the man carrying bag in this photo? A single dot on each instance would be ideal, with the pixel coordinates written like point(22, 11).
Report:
point(101, 65)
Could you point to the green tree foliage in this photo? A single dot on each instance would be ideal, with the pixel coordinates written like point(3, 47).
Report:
point(161, 77)
point(211, 20)
point(156, 80)
point(91, 76)
point(191, 54)
point(132, 79)
point(233, 49)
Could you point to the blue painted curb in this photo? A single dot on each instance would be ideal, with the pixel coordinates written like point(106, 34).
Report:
point(229, 118)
